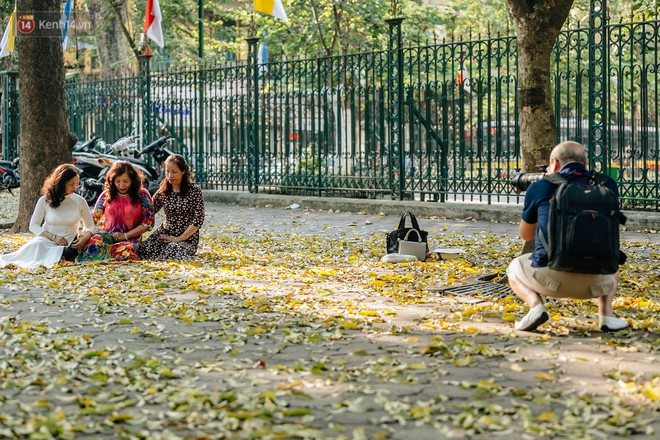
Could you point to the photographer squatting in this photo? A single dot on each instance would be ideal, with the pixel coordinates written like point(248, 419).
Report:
point(529, 275)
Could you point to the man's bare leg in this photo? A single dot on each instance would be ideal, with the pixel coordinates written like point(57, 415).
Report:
point(606, 319)
point(537, 314)
point(530, 297)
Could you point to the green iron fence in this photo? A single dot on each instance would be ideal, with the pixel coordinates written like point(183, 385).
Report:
point(434, 122)
point(10, 122)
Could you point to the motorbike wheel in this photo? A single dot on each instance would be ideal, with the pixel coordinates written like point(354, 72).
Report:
point(151, 185)
point(88, 192)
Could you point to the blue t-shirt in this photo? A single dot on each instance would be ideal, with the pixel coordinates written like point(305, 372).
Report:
point(537, 205)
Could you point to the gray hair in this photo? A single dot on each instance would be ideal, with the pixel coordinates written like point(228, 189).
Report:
point(569, 151)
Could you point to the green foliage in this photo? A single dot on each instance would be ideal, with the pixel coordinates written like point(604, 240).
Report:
point(330, 27)
point(316, 27)
point(471, 19)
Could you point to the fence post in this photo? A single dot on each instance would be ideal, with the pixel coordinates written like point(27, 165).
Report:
point(395, 94)
point(252, 107)
point(199, 160)
point(10, 115)
point(145, 95)
point(598, 84)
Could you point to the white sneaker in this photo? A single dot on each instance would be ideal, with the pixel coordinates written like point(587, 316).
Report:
point(535, 317)
point(611, 323)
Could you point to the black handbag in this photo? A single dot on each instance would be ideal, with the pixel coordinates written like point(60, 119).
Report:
point(401, 232)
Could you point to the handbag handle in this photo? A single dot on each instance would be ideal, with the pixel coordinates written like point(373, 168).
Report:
point(419, 236)
point(413, 220)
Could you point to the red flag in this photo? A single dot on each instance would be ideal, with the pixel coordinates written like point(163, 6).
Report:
point(152, 20)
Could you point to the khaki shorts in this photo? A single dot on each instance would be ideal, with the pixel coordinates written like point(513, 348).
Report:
point(554, 283)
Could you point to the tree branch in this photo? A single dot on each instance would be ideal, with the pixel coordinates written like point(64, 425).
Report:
point(318, 27)
point(337, 13)
point(126, 32)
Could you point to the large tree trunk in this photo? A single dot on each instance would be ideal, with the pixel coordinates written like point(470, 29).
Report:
point(114, 51)
point(44, 140)
point(538, 23)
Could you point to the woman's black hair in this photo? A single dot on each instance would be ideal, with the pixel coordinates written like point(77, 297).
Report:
point(186, 180)
point(117, 169)
point(55, 185)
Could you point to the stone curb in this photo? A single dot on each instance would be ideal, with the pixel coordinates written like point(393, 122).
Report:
point(503, 213)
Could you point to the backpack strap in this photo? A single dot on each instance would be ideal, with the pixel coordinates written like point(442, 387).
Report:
point(544, 242)
point(555, 178)
point(599, 178)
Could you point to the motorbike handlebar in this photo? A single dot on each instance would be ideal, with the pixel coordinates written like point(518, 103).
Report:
point(85, 146)
point(156, 144)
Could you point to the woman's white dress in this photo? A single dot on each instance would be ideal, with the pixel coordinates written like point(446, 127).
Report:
point(62, 221)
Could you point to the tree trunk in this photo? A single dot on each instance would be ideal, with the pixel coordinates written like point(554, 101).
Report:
point(538, 23)
point(44, 139)
point(114, 54)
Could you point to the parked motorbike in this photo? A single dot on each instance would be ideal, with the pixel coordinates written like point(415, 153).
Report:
point(9, 176)
point(92, 164)
point(159, 152)
point(125, 147)
point(151, 175)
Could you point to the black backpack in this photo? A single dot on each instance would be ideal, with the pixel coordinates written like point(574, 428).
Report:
point(583, 227)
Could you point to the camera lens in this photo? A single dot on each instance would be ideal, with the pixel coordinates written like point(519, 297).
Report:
point(522, 181)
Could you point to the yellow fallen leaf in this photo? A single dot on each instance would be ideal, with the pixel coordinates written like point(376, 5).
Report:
point(42, 403)
point(544, 376)
point(417, 366)
point(464, 361)
point(508, 317)
point(546, 416)
point(652, 393)
point(286, 386)
point(349, 325)
point(412, 339)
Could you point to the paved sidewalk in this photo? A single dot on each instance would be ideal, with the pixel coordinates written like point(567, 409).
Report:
point(286, 326)
point(497, 212)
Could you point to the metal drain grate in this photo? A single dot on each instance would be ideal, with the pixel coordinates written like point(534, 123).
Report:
point(481, 288)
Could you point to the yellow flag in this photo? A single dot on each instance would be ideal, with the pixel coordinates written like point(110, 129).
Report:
point(7, 45)
point(271, 7)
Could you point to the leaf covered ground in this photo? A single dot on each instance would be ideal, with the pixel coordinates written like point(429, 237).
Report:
point(287, 325)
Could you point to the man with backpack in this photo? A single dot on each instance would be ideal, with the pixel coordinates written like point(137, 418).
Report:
point(573, 217)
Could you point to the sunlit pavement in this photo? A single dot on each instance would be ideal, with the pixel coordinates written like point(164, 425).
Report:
point(287, 326)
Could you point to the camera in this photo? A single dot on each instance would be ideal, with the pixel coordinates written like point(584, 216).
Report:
point(522, 181)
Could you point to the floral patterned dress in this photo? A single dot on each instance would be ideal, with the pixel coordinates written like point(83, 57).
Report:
point(118, 215)
point(181, 211)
